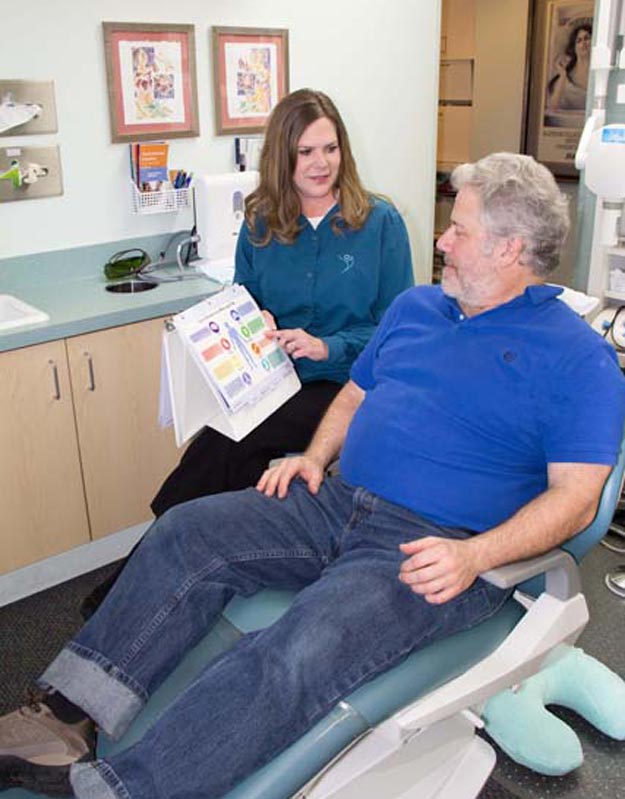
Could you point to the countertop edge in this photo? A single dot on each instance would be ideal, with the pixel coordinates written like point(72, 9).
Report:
point(42, 333)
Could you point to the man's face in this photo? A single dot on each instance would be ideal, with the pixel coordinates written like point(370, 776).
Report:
point(471, 272)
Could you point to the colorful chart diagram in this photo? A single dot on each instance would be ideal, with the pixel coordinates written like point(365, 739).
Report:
point(227, 334)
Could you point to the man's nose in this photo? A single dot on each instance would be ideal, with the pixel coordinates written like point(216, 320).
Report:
point(443, 240)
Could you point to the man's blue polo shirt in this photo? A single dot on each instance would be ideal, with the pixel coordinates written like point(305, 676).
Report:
point(462, 415)
point(336, 286)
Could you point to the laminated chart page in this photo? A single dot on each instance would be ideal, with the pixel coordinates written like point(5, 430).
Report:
point(226, 336)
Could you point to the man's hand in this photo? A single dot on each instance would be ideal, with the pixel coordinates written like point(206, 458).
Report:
point(438, 568)
point(278, 478)
point(299, 344)
point(324, 446)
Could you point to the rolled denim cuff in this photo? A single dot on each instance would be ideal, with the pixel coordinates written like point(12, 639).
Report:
point(104, 694)
point(96, 780)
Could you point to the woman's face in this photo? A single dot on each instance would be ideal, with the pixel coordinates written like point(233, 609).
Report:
point(582, 43)
point(318, 160)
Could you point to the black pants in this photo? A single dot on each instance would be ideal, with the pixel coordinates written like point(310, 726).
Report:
point(213, 463)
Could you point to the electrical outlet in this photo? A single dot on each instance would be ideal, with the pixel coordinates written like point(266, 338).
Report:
point(40, 93)
point(40, 173)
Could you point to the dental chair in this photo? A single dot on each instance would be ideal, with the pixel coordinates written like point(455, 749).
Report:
point(410, 733)
point(615, 541)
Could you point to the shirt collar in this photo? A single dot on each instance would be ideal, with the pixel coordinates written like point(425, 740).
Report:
point(328, 214)
point(541, 293)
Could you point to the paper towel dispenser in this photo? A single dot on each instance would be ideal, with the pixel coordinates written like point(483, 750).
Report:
point(220, 207)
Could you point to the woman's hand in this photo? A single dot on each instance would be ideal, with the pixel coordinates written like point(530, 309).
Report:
point(269, 320)
point(299, 344)
point(561, 63)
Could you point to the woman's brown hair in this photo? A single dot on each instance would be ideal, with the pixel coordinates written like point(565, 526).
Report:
point(274, 208)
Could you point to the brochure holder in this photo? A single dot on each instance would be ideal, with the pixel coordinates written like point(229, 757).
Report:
point(220, 370)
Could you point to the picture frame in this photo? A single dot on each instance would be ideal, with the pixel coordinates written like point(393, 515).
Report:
point(250, 76)
point(152, 84)
point(558, 82)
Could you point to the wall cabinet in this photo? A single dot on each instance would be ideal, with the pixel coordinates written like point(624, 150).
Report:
point(458, 28)
point(81, 454)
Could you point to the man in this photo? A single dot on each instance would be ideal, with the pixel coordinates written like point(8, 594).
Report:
point(469, 439)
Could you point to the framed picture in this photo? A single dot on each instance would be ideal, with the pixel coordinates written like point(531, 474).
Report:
point(251, 74)
point(152, 85)
point(559, 71)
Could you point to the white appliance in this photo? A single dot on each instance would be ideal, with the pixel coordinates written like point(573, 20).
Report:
point(220, 208)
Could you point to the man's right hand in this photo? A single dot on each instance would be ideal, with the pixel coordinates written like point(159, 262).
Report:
point(276, 480)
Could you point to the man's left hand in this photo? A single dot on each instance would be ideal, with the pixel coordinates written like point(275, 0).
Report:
point(438, 568)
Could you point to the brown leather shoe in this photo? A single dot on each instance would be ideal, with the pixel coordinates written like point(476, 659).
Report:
point(34, 734)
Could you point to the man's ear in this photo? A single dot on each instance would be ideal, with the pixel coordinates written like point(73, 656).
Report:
point(511, 250)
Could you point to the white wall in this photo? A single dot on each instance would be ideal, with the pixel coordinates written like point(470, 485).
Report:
point(378, 61)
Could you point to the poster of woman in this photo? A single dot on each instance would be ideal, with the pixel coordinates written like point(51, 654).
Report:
point(569, 60)
point(561, 68)
point(566, 91)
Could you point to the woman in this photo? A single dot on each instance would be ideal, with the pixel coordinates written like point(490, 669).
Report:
point(567, 89)
point(324, 258)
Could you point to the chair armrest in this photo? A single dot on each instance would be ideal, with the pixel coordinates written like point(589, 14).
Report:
point(560, 570)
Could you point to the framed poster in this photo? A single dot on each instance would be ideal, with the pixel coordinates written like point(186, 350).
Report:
point(151, 81)
point(559, 73)
point(251, 74)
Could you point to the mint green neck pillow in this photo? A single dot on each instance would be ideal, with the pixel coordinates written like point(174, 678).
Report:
point(520, 723)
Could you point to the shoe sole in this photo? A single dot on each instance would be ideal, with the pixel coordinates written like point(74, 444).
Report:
point(18, 773)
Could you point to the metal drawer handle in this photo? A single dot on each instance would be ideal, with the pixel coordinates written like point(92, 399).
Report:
point(55, 377)
point(91, 386)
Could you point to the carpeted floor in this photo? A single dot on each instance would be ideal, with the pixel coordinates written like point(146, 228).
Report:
point(34, 629)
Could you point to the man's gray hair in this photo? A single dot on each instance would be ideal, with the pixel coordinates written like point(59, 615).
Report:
point(520, 199)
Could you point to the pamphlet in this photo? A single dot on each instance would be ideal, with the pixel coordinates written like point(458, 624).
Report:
point(148, 165)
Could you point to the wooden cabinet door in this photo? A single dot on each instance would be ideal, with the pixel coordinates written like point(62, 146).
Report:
point(42, 507)
point(458, 29)
point(125, 455)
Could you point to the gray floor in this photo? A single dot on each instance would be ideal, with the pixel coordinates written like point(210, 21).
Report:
point(33, 630)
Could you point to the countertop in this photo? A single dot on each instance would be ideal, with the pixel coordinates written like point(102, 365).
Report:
point(81, 304)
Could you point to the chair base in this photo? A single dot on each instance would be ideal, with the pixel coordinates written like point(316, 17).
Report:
point(444, 761)
point(615, 581)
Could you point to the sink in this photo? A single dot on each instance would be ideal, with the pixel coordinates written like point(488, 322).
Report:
point(15, 313)
point(131, 286)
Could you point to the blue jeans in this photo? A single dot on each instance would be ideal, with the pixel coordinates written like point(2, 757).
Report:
point(351, 620)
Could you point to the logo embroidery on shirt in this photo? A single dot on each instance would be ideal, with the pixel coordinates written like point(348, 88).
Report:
point(348, 260)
